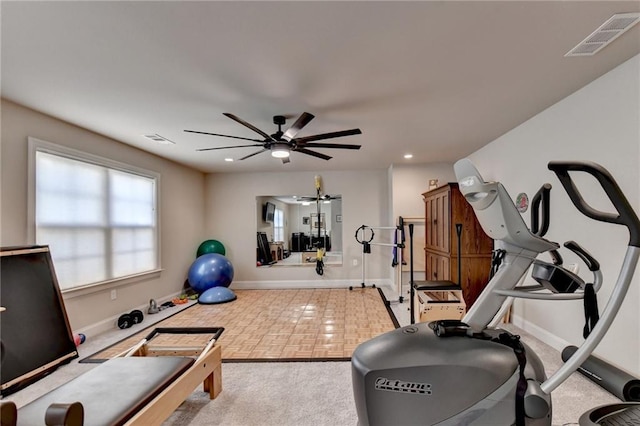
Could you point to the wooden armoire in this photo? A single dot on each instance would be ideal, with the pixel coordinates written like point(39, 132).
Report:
point(444, 208)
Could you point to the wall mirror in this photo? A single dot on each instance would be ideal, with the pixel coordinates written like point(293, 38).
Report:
point(290, 228)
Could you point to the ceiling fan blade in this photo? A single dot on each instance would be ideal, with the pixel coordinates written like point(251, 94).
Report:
point(330, 145)
point(313, 153)
point(251, 155)
point(328, 136)
point(224, 136)
point(250, 126)
point(227, 147)
point(302, 121)
point(286, 160)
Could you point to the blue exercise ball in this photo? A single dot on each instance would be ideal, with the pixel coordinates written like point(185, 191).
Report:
point(217, 295)
point(210, 270)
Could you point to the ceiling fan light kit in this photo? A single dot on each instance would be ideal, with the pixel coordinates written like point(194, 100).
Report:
point(280, 150)
point(281, 144)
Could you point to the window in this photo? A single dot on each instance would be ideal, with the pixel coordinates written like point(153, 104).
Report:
point(98, 217)
point(278, 225)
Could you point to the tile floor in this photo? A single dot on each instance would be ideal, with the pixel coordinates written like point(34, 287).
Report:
point(298, 324)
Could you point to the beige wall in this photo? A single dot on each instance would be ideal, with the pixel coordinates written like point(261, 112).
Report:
point(369, 197)
point(231, 216)
point(600, 123)
point(408, 184)
point(181, 208)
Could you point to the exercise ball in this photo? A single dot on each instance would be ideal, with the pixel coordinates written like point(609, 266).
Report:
point(210, 246)
point(217, 295)
point(210, 270)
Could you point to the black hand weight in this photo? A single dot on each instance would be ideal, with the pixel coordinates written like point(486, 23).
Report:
point(125, 321)
point(136, 316)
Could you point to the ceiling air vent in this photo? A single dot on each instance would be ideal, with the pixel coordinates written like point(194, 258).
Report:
point(158, 139)
point(605, 34)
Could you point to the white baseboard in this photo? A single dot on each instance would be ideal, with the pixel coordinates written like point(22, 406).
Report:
point(540, 333)
point(110, 323)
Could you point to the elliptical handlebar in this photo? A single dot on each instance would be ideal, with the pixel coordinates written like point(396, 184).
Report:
point(540, 211)
point(626, 215)
point(586, 257)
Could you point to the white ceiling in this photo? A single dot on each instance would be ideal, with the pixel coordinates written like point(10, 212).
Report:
point(437, 79)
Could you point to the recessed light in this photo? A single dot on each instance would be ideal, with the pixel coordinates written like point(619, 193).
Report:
point(408, 156)
point(228, 160)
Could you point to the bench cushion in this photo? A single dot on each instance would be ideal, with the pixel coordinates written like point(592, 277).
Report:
point(112, 392)
point(436, 285)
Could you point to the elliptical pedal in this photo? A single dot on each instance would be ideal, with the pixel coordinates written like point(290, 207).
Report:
point(625, 414)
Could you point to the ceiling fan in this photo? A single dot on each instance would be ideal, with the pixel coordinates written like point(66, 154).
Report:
point(325, 197)
point(281, 144)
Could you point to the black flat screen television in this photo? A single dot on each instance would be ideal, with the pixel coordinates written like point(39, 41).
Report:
point(35, 335)
point(268, 211)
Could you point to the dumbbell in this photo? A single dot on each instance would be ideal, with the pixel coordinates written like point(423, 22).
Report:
point(127, 320)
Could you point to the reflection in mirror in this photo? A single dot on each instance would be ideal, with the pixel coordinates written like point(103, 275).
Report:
point(291, 228)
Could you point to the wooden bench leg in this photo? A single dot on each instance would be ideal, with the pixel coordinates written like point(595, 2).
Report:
point(213, 383)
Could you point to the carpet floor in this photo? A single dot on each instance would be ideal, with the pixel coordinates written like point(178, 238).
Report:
point(303, 393)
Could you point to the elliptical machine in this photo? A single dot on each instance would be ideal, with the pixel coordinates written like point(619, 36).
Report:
point(463, 373)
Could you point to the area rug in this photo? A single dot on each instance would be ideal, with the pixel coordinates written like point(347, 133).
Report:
point(281, 325)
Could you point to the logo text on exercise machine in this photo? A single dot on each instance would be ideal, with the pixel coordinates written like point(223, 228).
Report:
point(393, 385)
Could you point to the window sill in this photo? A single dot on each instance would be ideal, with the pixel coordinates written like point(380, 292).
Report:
point(71, 293)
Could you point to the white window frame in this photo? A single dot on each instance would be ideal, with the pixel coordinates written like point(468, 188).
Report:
point(37, 145)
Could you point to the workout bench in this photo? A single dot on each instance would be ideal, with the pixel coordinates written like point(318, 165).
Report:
point(437, 300)
point(141, 386)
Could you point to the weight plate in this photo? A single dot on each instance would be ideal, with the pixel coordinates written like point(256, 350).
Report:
point(136, 316)
point(125, 321)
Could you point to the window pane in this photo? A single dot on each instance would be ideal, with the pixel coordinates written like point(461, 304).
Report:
point(69, 192)
point(78, 254)
point(132, 199)
point(133, 250)
point(278, 225)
